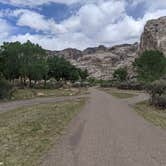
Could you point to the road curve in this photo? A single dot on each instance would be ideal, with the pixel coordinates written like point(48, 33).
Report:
point(109, 133)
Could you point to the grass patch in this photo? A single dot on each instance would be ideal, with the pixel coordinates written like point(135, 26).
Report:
point(27, 133)
point(122, 94)
point(20, 94)
point(152, 114)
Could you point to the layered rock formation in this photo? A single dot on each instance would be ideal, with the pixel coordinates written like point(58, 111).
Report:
point(101, 61)
point(154, 35)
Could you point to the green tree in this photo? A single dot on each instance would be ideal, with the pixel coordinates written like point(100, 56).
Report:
point(9, 60)
point(120, 74)
point(83, 74)
point(150, 66)
point(59, 68)
point(33, 62)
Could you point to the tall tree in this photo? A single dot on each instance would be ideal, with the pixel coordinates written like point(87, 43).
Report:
point(9, 59)
point(59, 69)
point(33, 62)
point(150, 66)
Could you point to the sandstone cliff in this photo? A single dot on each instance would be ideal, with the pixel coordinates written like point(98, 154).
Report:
point(154, 35)
point(101, 61)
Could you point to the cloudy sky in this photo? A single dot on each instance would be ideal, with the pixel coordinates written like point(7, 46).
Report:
point(58, 24)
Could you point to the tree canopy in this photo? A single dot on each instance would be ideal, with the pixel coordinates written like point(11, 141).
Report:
point(30, 61)
point(150, 66)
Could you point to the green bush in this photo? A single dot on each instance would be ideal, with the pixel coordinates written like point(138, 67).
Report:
point(160, 101)
point(5, 89)
point(120, 74)
point(156, 88)
point(93, 81)
point(157, 91)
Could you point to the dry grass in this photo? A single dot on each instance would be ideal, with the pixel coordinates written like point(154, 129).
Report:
point(20, 94)
point(122, 94)
point(27, 133)
point(152, 114)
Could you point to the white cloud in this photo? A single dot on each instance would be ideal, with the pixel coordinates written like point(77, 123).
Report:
point(5, 30)
point(36, 21)
point(151, 5)
point(96, 22)
point(33, 3)
point(77, 40)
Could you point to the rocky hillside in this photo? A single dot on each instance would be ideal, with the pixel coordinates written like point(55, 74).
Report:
point(102, 61)
point(154, 35)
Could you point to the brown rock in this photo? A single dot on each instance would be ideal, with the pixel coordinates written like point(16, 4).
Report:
point(154, 35)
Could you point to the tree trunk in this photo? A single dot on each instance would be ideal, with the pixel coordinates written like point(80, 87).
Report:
point(24, 81)
point(30, 82)
point(45, 83)
point(21, 80)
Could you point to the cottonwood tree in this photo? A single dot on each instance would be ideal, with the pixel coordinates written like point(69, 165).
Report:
point(9, 60)
point(150, 66)
point(33, 62)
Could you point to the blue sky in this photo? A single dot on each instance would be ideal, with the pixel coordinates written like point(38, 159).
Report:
point(59, 24)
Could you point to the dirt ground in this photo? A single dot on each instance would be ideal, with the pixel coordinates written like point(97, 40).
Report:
point(107, 132)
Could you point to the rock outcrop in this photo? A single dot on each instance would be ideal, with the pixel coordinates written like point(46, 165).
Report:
point(154, 35)
point(101, 61)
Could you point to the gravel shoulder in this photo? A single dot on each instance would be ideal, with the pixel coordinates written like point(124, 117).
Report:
point(108, 132)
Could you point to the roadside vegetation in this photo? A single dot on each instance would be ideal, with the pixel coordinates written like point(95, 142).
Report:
point(150, 66)
point(122, 94)
point(27, 65)
point(151, 69)
point(152, 114)
point(150, 73)
point(26, 134)
point(21, 94)
point(150, 77)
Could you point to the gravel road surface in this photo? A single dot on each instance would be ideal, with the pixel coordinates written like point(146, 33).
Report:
point(107, 132)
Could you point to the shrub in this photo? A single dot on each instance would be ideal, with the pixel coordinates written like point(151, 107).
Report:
point(160, 101)
point(157, 91)
point(106, 84)
point(130, 86)
point(120, 74)
point(156, 88)
point(93, 81)
point(5, 89)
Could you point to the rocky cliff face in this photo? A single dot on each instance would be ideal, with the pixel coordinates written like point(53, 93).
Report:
point(101, 61)
point(154, 35)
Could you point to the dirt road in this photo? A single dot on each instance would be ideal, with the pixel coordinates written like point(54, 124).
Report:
point(7, 106)
point(109, 133)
